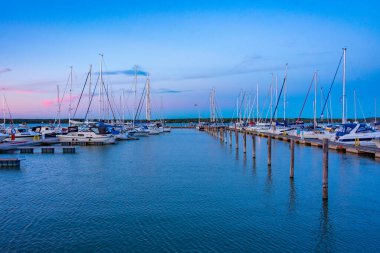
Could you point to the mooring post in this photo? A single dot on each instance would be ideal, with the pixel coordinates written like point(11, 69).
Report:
point(253, 146)
point(292, 158)
point(230, 137)
point(325, 167)
point(236, 138)
point(269, 150)
point(244, 142)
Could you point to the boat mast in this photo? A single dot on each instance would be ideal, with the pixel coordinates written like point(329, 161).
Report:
point(257, 102)
point(285, 100)
point(135, 94)
point(123, 106)
point(331, 112)
point(101, 89)
point(271, 98)
point(276, 91)
point(237, 108)
point(89, 88)
point(344, 119)
point(71, 87)
point(4, 109)
point(148, 100)
point(375, 110)
point(355, 104)
point(315, 99)
point(59, 108)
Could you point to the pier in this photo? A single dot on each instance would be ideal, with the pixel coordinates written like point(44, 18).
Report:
point(339, 147)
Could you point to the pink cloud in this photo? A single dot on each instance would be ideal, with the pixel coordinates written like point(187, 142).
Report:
point(53, 102)
point(47, 102)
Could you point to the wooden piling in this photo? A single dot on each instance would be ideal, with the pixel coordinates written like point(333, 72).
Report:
point(230, 138)
point(292, 158)
point(253, 146)
point(269, 150)
point(245, 142)
point(325, 168)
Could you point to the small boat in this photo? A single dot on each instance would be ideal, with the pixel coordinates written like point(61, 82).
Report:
point(154, 130)
point(22, 133)
point(200, 127)
point(357, 134)
point(141, 131)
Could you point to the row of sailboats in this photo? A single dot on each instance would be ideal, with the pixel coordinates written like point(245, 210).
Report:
point(109, 127)
point(346, 132)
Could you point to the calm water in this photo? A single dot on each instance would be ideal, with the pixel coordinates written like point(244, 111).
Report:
point(187, 192)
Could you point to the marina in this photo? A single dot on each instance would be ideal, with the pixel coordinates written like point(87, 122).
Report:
point(132, 204)
point(189, 126)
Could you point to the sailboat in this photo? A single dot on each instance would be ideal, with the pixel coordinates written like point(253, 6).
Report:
point(89, 135)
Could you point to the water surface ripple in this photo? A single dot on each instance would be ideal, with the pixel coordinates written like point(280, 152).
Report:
point(187, 192)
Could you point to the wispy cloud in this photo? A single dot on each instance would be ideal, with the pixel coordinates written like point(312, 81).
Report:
point(41, 87)
point(127, 72)
point(164, 90)
point(4, 70)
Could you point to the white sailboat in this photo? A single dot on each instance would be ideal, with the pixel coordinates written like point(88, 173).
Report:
point(91, 135)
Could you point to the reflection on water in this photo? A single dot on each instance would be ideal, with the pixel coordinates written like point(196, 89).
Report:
point(268, 182)
point(325, 238)
point(292, 195)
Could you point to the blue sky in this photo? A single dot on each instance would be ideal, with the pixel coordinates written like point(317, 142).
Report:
point(188, 47)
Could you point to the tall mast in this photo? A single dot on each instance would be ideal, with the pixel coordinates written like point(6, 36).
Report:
point(123, 106)
point(285, 100)
point(344, 116)
point(237, 108)
point(276, 91)
point(135, 95)
point(331, 112)
point(101, 89)
point(71, 87)
point(315, 99)
point(148, 100)
point(355, 104)
point(257, 102)
point(241, 102)
point(271, 98)
point(89, 88)
point(4, 108)
point(59, 107)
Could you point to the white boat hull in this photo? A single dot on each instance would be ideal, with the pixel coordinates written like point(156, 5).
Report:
point(87, 138)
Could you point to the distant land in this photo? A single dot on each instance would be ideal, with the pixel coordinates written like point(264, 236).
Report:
point(188, 120)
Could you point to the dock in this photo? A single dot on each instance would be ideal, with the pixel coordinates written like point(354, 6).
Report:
point(10, 163)
point(48, 149)
point(373, 152)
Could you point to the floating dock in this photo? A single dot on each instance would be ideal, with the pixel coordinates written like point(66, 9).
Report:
point(10, 163)
point(48, 149)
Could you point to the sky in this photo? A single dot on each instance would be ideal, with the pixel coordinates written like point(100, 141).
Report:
point(188, 48)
